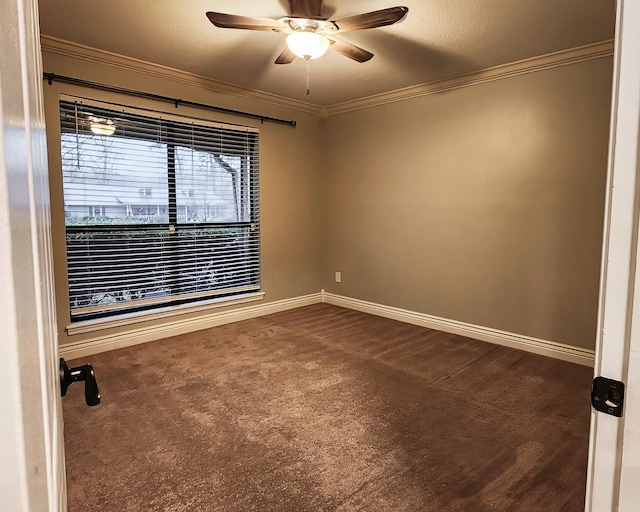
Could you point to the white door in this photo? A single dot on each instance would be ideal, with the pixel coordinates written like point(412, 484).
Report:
point(31, 448)
point(614, 453)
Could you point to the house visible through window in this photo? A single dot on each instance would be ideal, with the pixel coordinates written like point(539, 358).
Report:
point(162, 212)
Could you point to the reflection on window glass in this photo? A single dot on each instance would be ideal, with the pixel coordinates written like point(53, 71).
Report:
point(207, 186)
point(113, 180)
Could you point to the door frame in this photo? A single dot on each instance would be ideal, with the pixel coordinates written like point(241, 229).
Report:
point(610, 444)
point(32, 471)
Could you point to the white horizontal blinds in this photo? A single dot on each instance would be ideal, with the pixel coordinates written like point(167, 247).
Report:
point(212, 186)
point(161, 211)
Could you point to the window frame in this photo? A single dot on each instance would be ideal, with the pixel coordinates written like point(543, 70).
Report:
point(177, 303)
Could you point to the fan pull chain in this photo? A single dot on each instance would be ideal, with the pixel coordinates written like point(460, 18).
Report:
point(308, 76)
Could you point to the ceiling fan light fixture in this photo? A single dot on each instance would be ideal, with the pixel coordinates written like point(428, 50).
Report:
point(100, 126)
point(308, 45)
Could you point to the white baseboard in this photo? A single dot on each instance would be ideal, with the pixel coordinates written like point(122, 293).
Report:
point(546, 348)
point(174, 327)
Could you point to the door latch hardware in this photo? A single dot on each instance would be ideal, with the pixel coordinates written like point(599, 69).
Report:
point(79, 374)
point(607, 396)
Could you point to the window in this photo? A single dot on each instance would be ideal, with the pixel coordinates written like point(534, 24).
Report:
point(97, 211)
point(173, 210)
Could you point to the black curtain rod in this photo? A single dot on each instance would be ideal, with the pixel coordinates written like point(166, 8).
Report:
point(50, 77)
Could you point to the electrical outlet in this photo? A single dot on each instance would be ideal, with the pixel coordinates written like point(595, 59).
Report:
point(338, 277)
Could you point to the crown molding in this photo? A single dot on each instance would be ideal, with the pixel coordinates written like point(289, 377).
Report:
point(66, 48)
point(512, 69)
point(551, 60)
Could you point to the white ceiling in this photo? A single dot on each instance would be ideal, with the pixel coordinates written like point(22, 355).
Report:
point(438, 39)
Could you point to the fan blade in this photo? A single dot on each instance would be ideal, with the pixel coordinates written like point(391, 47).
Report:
point(286, 57)
point(371, 19)
point(349, 50)
point(222, 20)
point(309, 9)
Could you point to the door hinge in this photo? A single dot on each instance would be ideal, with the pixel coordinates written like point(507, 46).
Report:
point(607, 395)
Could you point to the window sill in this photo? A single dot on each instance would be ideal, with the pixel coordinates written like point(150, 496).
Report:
point(128, 319)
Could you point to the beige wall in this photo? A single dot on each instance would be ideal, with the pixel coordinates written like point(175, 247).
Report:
point(482, 204)
point(288, 178)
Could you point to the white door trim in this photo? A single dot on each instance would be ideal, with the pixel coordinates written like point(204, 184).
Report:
point(618, 287)
point(32, 476)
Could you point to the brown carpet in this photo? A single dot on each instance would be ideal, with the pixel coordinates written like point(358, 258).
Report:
point(327, 409)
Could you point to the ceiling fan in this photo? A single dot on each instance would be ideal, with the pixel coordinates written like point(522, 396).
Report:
point(310, 34)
